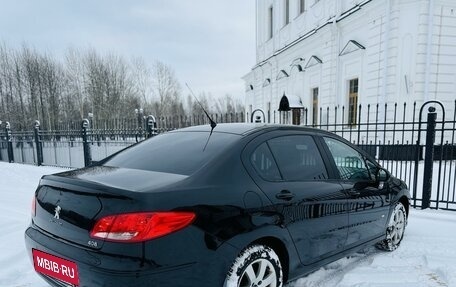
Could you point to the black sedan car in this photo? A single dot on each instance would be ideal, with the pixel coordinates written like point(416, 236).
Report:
point(242, 205)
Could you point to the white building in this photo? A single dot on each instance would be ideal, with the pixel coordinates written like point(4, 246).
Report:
point(342, 53)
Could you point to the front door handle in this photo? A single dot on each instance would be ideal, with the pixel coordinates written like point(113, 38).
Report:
point(285, 195)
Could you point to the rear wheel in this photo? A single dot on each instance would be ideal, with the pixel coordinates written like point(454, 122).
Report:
point(256, 266)
point(395, 230)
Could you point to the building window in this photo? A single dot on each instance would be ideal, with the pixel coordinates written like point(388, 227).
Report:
point(296, 114)
point(352, 101)
point(302, 6)
point(270, 22)
point(269, 112)
point(315, 106)
point(287, 12)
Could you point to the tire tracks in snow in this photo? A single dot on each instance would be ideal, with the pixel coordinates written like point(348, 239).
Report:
point(333, 273)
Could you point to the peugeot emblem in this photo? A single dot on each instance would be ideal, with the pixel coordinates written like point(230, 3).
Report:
point(57, 212)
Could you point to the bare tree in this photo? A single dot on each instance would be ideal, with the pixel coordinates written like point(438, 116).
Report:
point(36, 86)
point(18, 85)
point(197, 108)
point(166, 87)
point(229, 105)
point(52, 79)
point(75, 78)
point(141, 79)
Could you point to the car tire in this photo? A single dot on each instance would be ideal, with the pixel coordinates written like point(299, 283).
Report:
point(395, 230)
point(256, 266)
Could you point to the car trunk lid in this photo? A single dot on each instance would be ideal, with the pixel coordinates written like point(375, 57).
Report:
point(68, 204)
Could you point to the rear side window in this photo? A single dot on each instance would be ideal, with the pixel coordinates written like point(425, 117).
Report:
point(176, 152)
point(298, 158)
point(264, 163)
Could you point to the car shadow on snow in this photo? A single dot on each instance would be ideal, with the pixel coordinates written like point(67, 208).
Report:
point(332, 273)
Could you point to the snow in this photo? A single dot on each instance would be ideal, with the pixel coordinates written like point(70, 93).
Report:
point(426, 257)
point(17, 185)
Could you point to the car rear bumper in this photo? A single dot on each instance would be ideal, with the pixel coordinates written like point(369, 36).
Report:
point(147, 274)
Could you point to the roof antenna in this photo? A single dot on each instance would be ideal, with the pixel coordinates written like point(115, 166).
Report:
point(213, 124)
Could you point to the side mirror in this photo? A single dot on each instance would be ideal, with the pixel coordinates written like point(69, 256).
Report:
point(382, 176)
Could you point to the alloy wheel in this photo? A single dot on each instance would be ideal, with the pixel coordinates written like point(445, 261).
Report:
point(259, 273)
point(398, 226)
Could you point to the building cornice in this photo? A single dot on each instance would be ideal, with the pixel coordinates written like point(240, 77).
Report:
point(331, 20)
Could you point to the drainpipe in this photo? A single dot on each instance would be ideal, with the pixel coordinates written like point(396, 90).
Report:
point(337, 74)
point(383, 97)
point(429, 50)
point(271, 92)
point(256, 29)
point(255, 70)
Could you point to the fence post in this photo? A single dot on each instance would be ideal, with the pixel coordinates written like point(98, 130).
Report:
point(1, 145)
point(429, 158)
point(9, 142)
point(258, 118)
point(151, 126)
point(86, 142)
point(38, 144)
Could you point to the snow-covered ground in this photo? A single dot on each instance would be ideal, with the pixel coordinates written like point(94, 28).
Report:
point(17, 185)
point(426, 257)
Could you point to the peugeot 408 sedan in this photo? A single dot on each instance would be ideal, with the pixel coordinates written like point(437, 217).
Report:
point(239, 205)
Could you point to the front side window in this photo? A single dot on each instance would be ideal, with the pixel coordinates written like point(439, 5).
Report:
point(373, 169)
point(298, 158)
point(349, 162)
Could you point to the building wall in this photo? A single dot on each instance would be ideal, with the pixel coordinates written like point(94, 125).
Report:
point(396, 66)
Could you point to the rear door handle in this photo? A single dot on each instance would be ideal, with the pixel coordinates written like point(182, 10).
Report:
point(353, 192)
point(285, 195)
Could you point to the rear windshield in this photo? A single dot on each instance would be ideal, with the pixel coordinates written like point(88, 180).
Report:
point(179, 152)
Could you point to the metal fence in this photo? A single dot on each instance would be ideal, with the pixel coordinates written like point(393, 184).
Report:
point(416, 143)
point(77, 144)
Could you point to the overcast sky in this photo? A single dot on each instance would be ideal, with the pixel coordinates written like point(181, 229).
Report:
point(209, 43)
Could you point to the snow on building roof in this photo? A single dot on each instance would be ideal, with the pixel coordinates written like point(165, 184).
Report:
point(289, 102)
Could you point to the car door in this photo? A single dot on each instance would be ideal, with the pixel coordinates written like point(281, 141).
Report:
point(290, 169)
point(368, 200)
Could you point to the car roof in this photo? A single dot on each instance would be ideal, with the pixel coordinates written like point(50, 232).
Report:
point(248, 128)
point(245, 129)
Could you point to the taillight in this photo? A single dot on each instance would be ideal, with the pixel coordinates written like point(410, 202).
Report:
point(137, 227)
point(34, 206)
